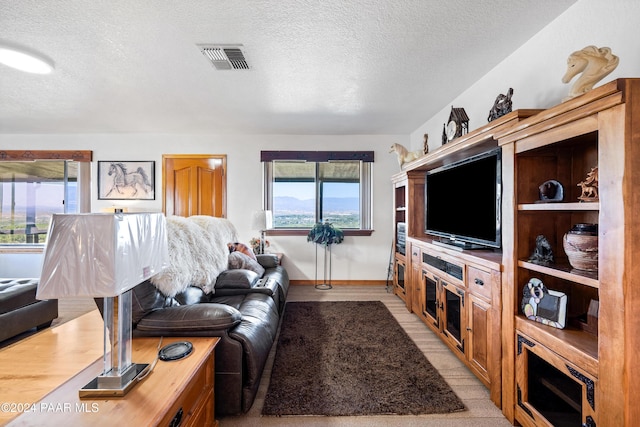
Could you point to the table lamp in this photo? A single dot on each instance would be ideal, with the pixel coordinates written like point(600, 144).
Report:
point(105, 256)
point(262, 221)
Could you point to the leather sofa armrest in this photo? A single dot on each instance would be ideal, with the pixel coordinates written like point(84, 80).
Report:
point(191, 319)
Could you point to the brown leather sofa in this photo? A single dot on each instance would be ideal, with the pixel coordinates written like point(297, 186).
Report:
point(20, 311)
point(244, 312)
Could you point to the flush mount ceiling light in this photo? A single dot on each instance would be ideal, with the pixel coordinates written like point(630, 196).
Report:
point(24, 59)
point(225, 56)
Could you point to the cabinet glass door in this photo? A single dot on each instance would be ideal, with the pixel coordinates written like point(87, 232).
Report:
point(452, 314)
point(400, 267)
point(431, 297)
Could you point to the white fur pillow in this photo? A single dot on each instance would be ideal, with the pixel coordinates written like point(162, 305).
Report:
point(195, 257)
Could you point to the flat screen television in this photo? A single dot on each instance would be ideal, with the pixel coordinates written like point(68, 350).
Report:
point(463, 202)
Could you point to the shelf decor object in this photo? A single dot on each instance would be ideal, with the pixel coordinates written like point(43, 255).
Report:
point(325, 234)
point(542, 254)
point(404, 155)
point(544, 305)
point(501, 106)
point(105, 256)
point(593, 64)
point(581, 246)
point(550, 191)
point(589, 187)
point(457, 125)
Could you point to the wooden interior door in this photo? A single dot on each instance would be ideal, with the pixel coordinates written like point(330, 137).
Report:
point(194, 184)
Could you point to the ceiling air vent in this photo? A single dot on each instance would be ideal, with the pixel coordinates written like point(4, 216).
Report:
point(225, 57)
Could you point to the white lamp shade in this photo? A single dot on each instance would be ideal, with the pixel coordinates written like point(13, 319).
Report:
point(102, 255)
point(262, 220)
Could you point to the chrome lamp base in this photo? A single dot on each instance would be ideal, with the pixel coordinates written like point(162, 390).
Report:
point(114, 385)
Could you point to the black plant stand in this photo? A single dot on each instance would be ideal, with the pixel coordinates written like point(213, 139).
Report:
point(325, 285)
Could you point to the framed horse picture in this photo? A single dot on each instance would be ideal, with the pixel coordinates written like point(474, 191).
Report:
point(121, 180)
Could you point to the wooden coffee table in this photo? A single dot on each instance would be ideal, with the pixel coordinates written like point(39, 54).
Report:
point(40, 377)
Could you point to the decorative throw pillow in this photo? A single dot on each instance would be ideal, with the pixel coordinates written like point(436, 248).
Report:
point(240, 260)
point(242, 248)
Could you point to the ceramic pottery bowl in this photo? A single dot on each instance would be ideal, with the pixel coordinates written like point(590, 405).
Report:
point(581, 246)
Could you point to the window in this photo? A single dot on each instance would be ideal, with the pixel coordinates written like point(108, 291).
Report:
point(31, 191)
point(318, 186)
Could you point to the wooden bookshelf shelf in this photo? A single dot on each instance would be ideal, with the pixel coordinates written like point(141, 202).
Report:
point(565, 272)
point(559, 207)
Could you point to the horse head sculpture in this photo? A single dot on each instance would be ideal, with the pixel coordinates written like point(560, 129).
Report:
point(594, 64)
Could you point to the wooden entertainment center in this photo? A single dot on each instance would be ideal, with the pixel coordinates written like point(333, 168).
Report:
point(538, 374)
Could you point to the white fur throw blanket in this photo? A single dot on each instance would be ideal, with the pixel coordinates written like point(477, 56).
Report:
point(198, 253)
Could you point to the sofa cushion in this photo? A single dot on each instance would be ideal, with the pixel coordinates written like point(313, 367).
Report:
point(240, 260)
point(234, 301)
point(191, 318)
point(17, 293)
point(236, 279)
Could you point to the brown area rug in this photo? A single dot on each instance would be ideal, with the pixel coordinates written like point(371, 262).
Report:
point(351, 358)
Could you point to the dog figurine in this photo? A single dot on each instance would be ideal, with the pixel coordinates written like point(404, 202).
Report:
point(533, 295)
point(542, 254)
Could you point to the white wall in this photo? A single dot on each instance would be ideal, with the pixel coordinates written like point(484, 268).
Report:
point(535, 70)
point(357, 258)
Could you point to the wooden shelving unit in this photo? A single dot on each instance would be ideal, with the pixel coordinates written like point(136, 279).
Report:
point(596, 374)
point(600, 128)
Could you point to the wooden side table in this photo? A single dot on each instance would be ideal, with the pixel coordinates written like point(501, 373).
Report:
point(178, 389)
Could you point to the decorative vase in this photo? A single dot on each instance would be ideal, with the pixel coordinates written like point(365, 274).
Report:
point(581, 246)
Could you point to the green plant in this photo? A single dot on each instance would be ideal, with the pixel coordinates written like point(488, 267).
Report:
point(325, 233)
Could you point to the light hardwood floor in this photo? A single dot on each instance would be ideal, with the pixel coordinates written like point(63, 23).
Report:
point(481, 411)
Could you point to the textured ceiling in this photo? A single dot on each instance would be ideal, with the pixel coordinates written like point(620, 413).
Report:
point(317, 66)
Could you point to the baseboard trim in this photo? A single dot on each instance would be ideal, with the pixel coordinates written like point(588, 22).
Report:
point(341, 282)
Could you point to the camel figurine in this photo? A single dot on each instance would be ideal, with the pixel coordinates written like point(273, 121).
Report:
point(405, 155)
point(594, 64)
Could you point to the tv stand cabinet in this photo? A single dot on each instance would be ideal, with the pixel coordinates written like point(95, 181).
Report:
point(455, 292)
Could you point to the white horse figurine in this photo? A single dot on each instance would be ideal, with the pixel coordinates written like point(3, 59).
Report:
point(594, 64)
point(123, 179)
point(405, 155)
